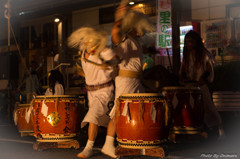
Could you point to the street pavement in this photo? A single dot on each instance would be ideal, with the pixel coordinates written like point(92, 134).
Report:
point(13, 146)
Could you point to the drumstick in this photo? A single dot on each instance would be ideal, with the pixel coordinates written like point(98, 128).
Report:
point(121, 10)
point(56, 105)
point(124, 2)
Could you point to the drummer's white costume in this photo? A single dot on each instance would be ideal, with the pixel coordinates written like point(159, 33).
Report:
point(98, 77)
point(129, 50)
point(129, 69)
point(98, 98)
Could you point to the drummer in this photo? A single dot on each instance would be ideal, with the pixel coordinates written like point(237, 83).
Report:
point(56, 83)
point(128, 27)
point(96, 60)
point(197, 68)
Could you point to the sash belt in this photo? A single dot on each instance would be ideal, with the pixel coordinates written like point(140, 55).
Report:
point(131, 74)
point(99, 86)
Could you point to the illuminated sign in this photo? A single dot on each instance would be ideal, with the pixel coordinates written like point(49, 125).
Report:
point(164, 25)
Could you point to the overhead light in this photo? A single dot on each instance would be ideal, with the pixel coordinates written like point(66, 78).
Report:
point(56, 20)
point(21, 13)
point(140, 5)
point(131, 3)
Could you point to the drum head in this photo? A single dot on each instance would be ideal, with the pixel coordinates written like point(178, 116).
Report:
point(142, 95)
point(56, 96)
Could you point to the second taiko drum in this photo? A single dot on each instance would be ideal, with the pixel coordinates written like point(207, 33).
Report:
point(57, 118)
point(142, 120)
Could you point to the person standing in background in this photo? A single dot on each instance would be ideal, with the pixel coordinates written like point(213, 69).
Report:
point(197, 70)
point(56, 84)
point(31, 82)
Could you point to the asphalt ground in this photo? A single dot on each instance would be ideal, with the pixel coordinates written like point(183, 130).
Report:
point(13, 146)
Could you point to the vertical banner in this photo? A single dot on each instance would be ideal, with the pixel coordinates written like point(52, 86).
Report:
point(164, 25)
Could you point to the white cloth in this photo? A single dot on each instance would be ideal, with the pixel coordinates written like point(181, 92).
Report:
point(98, 99)
point(27, 115)
point(195, 74)
point(94, 75)
point(59, 90)
point(131, 54)
point(97, 102)
point(211, 115)
point(44, 109)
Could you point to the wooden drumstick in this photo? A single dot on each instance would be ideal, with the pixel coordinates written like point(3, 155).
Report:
point(166, 113)
point(56, 105)
point(121, 10)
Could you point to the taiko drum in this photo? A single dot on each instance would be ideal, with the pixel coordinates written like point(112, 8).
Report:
point(57, 118)
point(23, 118)
point(186, 105)
point(142, 120)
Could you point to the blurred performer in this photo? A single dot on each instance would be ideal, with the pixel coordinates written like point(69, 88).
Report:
point(96, 61)
point(56, 84)
point(197, 69)
point(31, 82)
point(130, 25)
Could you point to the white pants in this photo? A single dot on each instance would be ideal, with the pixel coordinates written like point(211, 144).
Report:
point(98, 106)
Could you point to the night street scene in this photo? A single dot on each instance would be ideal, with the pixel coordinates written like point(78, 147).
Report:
point(132, 79)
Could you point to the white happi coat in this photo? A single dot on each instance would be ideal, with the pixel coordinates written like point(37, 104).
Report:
point(211, 116)
point(130, 52)
point(98, 99)
point(58, 90)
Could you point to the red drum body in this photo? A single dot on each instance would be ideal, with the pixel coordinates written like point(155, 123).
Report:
point(142, 120)
point(187, 109)
point(56, 118)
point(23, 118)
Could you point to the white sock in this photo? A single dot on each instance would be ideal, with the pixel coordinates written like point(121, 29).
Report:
point(87, 151)
point(108, 147)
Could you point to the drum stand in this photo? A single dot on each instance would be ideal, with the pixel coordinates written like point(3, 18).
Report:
point(184, 131)
point(26, 133)
point(63, 144)
point(156, 152)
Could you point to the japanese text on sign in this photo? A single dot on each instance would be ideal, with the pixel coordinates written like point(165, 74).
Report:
point(164, 24)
